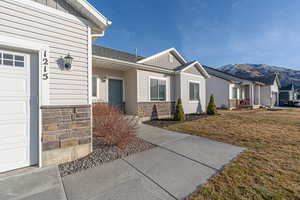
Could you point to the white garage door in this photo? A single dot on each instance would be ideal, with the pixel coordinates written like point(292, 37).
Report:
point(15, 111)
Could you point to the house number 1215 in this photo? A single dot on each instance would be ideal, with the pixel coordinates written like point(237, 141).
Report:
point(45, 65)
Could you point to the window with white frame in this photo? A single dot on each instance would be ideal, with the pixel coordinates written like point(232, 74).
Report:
point(158, 89)
point(12, 60)
point(194, 89)
point(235, 93)
point(95, 87)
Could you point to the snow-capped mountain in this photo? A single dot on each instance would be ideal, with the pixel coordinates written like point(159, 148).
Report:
point(259, 71)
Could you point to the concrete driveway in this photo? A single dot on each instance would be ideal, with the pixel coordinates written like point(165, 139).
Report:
point(174, 169)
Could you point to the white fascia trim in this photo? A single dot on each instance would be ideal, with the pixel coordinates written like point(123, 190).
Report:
point(105, 23)
point(93, 11)
point(134, 65)
point(206, 75)
point(163, 52)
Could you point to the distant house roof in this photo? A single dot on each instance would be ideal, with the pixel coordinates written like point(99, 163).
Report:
point(268, 80)
point(225, 75)
point(288, 87)
point(115, 54)
point(104, 52)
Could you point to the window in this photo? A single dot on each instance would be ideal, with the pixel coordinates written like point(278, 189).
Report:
point(95, 86)
point(194, 91)
point(9, 59)
point(234, 92)
point(157, 90)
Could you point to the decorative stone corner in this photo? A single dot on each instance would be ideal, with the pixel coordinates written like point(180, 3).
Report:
point(66, 133)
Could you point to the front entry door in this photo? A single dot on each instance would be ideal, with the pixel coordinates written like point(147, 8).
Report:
point(115, 92)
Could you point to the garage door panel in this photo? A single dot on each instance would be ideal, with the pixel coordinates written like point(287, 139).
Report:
point(13, 108)
point(15, 131)
point(13, 158)
point(12, 85)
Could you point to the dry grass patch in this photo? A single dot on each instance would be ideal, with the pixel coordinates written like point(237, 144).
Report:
point(268, 170)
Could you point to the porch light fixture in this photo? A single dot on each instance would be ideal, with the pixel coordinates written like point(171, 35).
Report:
point(68, 61)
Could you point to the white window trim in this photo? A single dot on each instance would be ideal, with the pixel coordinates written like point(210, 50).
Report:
point(97, 89)
point(14, 54)
point(107, 85)
point(197, 82)
point(237, 93)
point(149, 86)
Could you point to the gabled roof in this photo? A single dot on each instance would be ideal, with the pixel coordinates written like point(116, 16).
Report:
point(186, 66)
point(112, 55)
point(115, 54)
point(268, 80)
point(91, 13)
point(171, 50)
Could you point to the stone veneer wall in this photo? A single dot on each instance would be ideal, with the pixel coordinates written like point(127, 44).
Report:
point(153, 110)
point(66, 133)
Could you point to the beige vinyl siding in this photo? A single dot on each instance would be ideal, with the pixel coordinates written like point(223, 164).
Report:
point(220, 88)
point(163, 61)
point(144, 87)
point(64, 36)
point(193, 106)
point(102, 74)
point(193, 70)
point(131, 92)
point(59, 5)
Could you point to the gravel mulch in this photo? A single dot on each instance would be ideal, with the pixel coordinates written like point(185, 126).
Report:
point(103, 153)
point(164, 123)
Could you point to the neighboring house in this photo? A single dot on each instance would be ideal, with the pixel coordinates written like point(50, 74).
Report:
point(270, 91)
point(45, 106)
point(148, 87)
point(232, 92)
point(288, 94)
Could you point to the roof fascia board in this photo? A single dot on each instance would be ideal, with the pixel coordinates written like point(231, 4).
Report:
point(161, 53)
point(135, 65)
point(105, 23)
point(199, 65)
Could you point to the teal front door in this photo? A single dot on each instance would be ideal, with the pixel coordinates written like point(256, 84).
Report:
point(115, 92)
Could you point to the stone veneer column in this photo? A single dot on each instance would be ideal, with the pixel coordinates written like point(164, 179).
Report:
point(66, 133)
point(153, 110)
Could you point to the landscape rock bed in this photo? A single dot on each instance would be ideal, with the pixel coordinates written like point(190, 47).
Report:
point(103, 153)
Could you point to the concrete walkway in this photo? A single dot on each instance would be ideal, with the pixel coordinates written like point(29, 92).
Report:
point(174, 169)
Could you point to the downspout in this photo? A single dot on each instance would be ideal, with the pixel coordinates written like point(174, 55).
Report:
point(96, 36)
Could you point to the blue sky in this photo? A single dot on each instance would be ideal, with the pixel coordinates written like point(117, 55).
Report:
point(215, 32)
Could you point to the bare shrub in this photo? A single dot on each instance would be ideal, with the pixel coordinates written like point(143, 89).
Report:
point(112, 126)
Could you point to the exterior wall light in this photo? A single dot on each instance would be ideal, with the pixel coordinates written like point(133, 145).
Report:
point(68, 61)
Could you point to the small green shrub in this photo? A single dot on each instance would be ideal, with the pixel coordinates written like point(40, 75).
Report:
point(179, 113)
point(212, 108)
